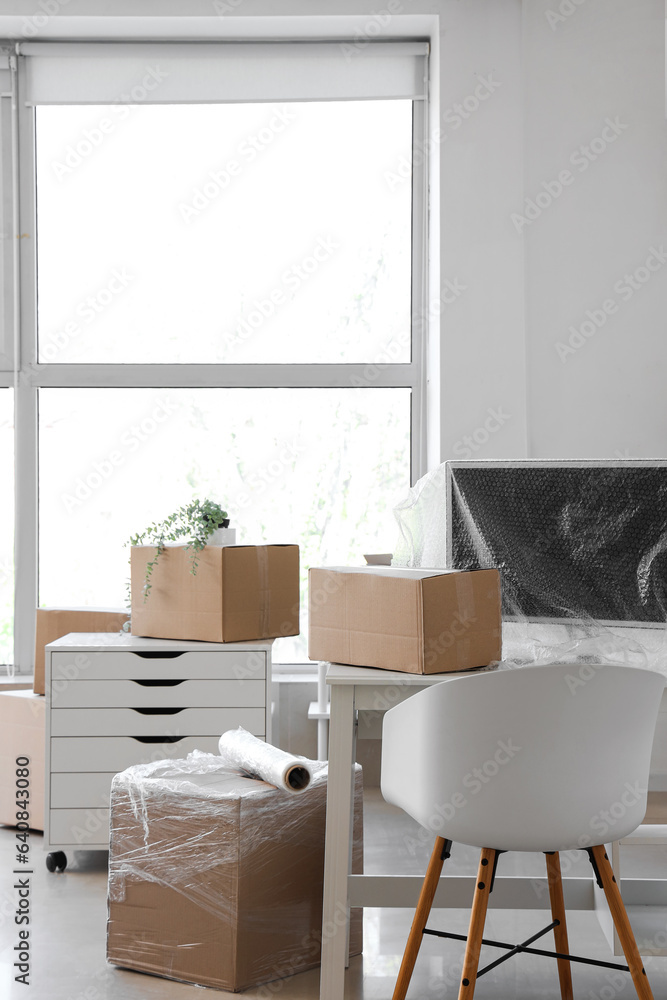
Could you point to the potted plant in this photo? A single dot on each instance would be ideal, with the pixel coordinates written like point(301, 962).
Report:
point(197, 524)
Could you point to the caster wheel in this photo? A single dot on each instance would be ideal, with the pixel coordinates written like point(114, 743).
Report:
point(57, 861)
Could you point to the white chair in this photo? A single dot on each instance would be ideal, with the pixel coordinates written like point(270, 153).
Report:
point(523, 760)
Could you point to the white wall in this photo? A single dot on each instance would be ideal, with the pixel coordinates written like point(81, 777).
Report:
point(604, 61)
point(606, 398)
point(483, 347)
point(498, 384)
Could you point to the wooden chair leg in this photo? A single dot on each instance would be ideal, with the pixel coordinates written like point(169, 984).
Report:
point(621, 923)
point(477, 919)
point(429, 886)
point(560, 932)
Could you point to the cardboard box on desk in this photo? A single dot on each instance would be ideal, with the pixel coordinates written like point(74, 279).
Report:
point(420, 621)
point(22, 722)
point(52, 623)
point(217, 879)
point(239, 593)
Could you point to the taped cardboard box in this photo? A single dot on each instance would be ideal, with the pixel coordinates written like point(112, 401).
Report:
point(22, 722)
point(420, 621)
point(53, 623)
point(217, 879)
point(239, 593)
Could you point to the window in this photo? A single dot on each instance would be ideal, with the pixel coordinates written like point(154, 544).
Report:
point(319, 466)
point(224, 298)
point(7, 222)
point(247, 233)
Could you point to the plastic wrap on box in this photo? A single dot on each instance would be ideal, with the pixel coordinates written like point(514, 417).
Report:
point(242, 751)
point(421, 523)
point(581, 548)
point(216, 878)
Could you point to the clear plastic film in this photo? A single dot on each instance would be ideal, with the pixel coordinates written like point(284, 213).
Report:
point(216, 878)
point(242, 751)
point(421, 523)
point(581, 548)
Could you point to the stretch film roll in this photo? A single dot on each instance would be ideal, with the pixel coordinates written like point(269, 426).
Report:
point(242, 751)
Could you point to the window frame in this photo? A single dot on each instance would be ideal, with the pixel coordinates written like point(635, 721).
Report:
point(29, 375)
point(8, 221)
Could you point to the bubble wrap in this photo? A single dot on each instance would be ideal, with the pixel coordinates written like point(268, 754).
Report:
point(581, 549)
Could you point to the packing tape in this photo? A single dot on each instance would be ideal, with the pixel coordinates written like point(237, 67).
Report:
point(264, 590)
point(465, 597)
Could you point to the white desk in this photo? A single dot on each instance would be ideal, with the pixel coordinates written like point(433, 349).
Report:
point(367, 689)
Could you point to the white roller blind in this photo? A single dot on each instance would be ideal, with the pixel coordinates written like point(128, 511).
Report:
point(92, 73)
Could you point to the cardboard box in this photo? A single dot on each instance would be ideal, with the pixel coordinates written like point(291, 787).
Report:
point(52, 623)
point(217, 879)
point(420, 621)
point(22, 722)
point(239, 593)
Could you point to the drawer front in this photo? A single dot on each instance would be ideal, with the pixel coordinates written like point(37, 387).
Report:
point(78, 791)
point(81, 754)
point(110, 664)
point(156, 693)
point(79, 828)
point(145, 722)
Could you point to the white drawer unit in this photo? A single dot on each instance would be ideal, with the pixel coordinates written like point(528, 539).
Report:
point(114, 700)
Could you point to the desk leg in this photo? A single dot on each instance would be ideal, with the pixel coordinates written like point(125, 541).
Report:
point(338, 846)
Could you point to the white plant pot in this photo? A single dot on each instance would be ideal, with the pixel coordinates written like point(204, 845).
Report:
point(222, 536)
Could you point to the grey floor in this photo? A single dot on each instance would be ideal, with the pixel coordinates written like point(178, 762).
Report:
point(69, 916)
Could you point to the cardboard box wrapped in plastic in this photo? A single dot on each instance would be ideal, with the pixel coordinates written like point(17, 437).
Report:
point(216, 879)
point(239, 593)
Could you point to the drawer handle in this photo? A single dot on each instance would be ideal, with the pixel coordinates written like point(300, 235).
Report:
point(158, 739)
point(158, 711)
point(149, 684)
point(155, 654)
